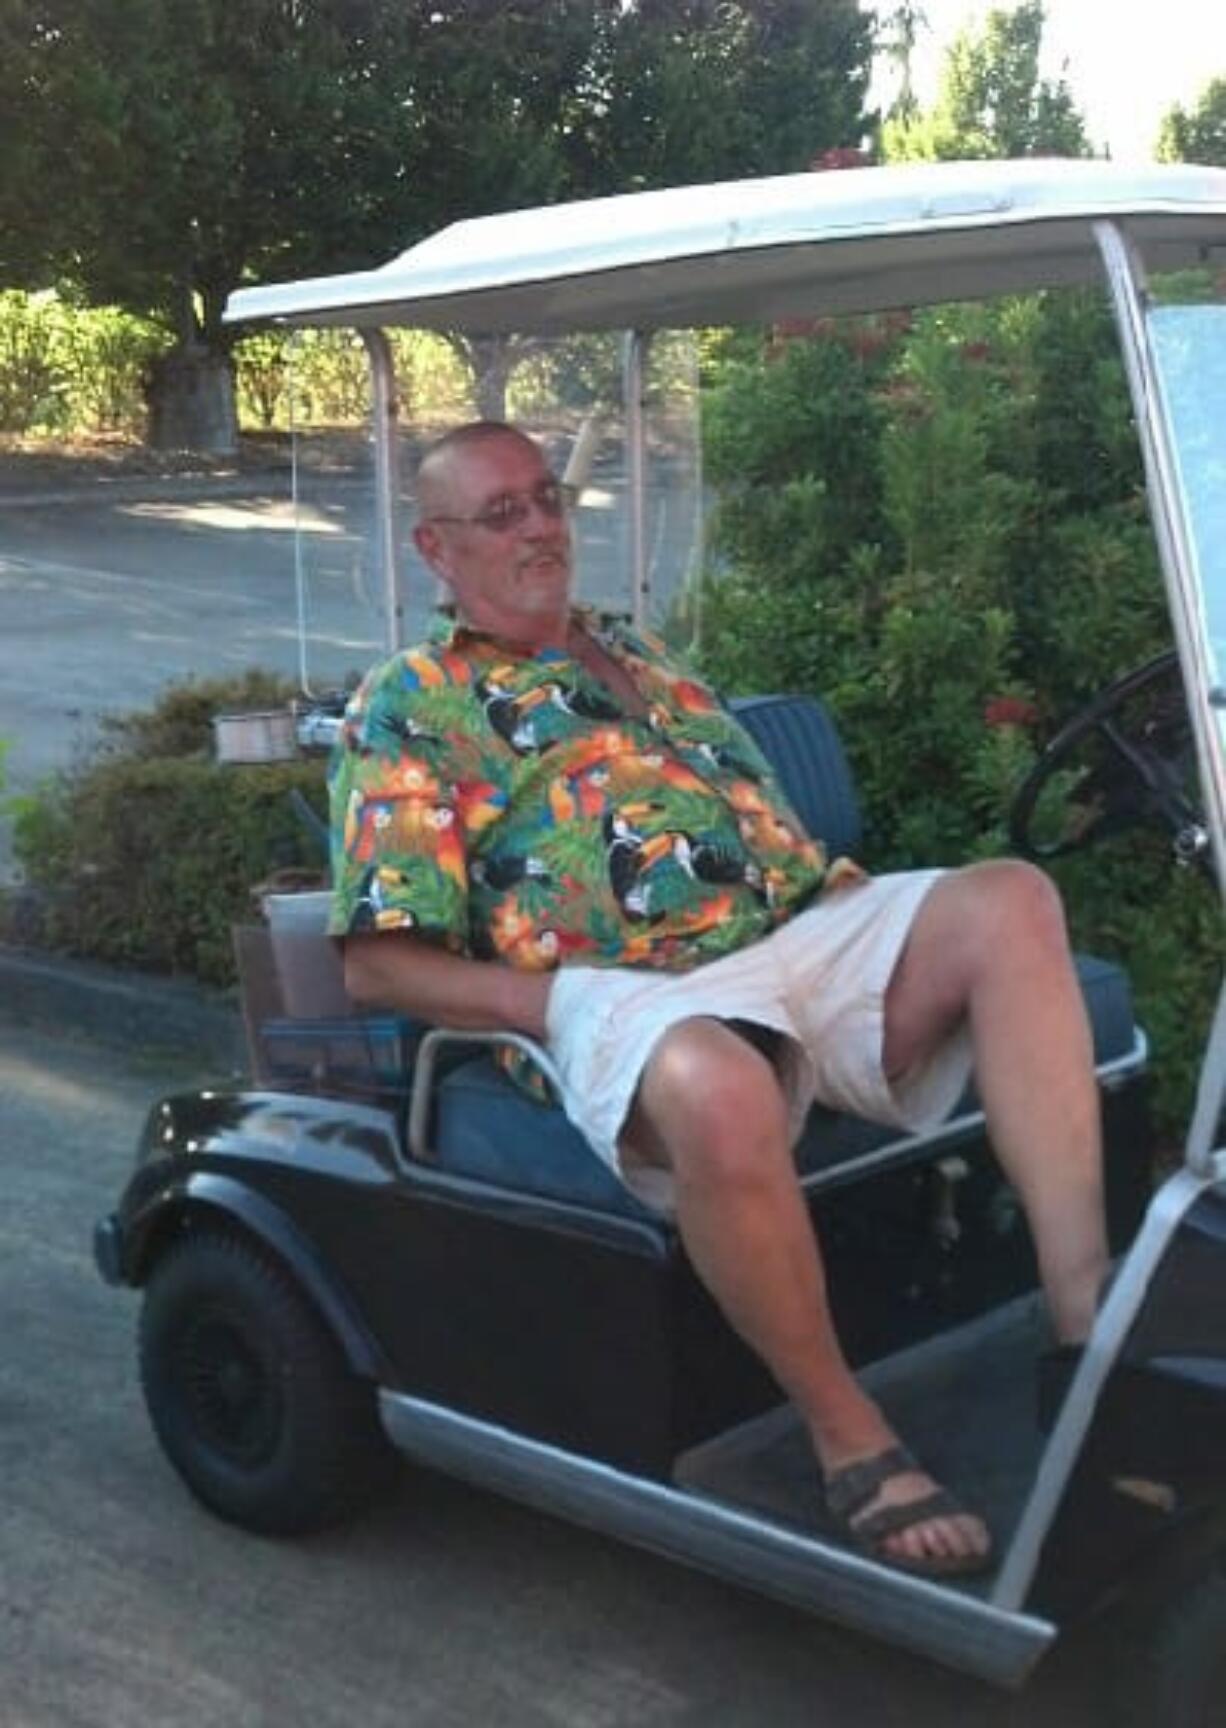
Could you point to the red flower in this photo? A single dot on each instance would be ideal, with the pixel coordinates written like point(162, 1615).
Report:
point(865, 343)
point(1010, 711)
point(787, 328)
point(844, 157)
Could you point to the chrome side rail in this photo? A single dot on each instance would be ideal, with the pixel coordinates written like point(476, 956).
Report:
point(906, 1149)
point(913, 1147)
point(427, 1062)
point(943, 1622)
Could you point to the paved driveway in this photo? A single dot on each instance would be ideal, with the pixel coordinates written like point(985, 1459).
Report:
point(110, 593)
point(105, 598)
point(122, 1605)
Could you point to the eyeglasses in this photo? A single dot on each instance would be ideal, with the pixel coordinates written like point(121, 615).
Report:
point(512, 509)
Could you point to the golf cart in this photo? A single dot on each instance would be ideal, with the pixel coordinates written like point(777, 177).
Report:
point(433, 1264)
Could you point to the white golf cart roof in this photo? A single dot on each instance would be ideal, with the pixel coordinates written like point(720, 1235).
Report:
point(759, 250)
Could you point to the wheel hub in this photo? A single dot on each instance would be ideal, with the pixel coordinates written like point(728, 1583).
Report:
point(231, 1398)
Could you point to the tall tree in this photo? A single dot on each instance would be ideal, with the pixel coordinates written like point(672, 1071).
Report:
point(174, 148)
point(700, 90)
point(24, 226)
point(183, 142)
point(1198, 133)
point(992, 100)
point(900, 32)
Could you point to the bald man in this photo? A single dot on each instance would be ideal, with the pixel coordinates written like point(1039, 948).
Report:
point(543, 824)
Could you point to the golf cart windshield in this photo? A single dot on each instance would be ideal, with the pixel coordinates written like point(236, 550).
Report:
point(1189, 344)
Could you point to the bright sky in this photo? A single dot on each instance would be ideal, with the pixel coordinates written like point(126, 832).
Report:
point(1126, 61)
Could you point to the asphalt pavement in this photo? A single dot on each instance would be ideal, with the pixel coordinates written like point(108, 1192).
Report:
point(108, 597)
point(124, 1605)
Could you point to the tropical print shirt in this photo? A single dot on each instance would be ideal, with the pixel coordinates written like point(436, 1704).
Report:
point(505, 805)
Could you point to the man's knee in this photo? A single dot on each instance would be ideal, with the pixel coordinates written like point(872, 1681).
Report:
point(1007, 901)
point(711, 1100)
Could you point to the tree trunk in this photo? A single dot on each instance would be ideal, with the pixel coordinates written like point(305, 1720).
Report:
point(492, 359)
point(190, 395)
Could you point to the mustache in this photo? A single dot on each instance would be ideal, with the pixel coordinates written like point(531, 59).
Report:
point(544, 555)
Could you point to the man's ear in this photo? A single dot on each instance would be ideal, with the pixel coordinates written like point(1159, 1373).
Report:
point(429, 543)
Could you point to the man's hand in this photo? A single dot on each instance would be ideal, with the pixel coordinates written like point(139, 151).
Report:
point(394, 969)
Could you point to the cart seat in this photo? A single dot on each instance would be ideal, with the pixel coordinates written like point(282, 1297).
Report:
point(486, 1128)
point(800, 740)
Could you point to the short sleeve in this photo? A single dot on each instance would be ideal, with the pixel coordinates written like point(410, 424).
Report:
point(399, 859)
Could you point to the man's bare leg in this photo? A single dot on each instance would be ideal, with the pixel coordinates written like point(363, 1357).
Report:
point(711, 1108)
point(990, 941)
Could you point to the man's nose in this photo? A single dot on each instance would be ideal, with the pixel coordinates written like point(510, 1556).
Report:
point(539, 520)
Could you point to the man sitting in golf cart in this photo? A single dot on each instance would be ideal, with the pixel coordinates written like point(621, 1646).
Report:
point(541, 824)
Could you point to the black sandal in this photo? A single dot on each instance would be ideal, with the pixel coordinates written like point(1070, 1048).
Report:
point(857, 1485)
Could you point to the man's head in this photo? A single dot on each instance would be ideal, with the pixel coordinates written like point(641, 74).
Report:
point(492, 524)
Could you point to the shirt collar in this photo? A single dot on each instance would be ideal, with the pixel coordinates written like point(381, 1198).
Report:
point(448, 630)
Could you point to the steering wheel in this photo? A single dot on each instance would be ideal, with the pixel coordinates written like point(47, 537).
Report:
point(1125, 758)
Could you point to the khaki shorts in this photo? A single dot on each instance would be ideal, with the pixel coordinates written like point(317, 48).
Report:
point(819, 980)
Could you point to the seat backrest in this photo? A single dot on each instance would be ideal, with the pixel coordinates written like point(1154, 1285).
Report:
point(798, 737)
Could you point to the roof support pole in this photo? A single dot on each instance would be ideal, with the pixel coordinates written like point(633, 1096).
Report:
point(1129, 292)
point(634, 355)
point(384, 429)
point(1126, 276)
point(1126, 279)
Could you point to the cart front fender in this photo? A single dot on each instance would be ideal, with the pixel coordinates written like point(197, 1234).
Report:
point(191, 1196)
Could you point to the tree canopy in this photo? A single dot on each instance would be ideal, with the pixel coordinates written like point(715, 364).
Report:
point(1198, 133)
point(992, 101)
point(161, 151)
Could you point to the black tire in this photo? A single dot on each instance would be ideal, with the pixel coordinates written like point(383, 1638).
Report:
point(1170, 1665)
point(249, 1393)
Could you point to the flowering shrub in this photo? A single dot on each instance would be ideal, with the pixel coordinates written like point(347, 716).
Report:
point(1010, 711)
point(938, 524)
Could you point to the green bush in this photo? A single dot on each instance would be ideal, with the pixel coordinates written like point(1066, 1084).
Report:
point(105, 357)
point(860, 538)
point(322, 378)
point(181, 722)
point(1164, 923)
point(939, 526)
point(68, 369)
point(27, 362)
point(147, 854)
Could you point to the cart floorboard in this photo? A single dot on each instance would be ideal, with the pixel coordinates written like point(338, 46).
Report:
point(966, 1403)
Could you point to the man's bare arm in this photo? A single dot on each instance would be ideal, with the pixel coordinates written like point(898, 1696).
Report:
point(393, 969)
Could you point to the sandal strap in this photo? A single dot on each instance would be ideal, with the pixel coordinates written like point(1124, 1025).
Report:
point(875, 1525)
point(856, 1484)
